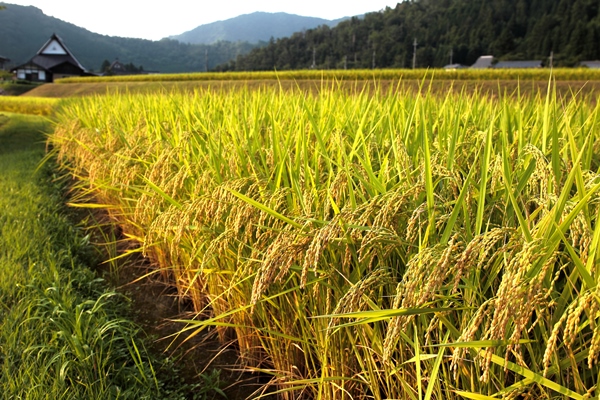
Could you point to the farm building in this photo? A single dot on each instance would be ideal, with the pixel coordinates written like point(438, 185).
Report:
point(590, 64)
point(118, 68)
point(519, 64)
point(452, 67)
point(488, 62)
point(483, 62)
point(52, 61)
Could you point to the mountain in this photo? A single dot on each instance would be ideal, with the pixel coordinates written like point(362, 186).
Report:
point(457, 31)
point(254, 28)
point(24, 30)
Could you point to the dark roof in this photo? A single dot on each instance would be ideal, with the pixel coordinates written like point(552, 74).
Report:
point(60, 41)
point(519, 64)
point(4, 59)
point(49, 62)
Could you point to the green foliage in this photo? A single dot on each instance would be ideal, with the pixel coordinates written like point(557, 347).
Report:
point(59, 334)
point(128, 68)
point(105, 66)
point(467, 29)
point(254, 28)
point(62, 334)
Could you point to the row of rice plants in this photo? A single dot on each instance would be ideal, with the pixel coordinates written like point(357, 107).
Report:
point(28, 105)
point(365, 245)
point(562, 74)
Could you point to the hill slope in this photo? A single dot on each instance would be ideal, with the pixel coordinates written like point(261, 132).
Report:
point(23, 31)
point(444, 29)
point(253, 28)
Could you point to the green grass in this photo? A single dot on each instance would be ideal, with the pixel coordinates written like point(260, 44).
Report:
point(12, 88)
point(62, 335)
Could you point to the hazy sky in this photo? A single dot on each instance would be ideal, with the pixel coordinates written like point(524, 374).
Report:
point(158, 19)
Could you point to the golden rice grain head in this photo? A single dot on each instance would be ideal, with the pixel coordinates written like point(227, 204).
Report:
point(415, 223)
point(551, 344)
point(572, 324)
point(594, 348)
point(285, 251)
point(468, 335)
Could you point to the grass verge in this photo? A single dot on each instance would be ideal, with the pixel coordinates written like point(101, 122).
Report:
point(61, 332)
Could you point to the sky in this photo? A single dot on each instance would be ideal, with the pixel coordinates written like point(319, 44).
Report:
point(155, 20)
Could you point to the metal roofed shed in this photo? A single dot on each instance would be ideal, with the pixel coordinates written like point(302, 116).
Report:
point(590, 64)
point(483, 62)
point(518, 64)
point(451, 67)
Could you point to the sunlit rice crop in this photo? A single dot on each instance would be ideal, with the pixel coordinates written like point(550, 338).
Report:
point(28, 105)
point(365, 245)
point(561, 74)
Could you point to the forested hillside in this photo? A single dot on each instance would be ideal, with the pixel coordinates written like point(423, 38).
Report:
point(23, 31)
point(254, 28)
point(456, 31)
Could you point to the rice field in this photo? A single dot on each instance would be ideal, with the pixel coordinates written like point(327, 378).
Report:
point(543, 74)
point(365, 245)
point(28, 105)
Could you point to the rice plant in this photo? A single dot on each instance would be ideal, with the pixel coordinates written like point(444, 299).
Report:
point(367, 245)
point(561, 74)
point(28, 105)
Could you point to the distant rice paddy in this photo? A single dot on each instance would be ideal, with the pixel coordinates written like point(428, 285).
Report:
point(28, 105)
point(562, 74)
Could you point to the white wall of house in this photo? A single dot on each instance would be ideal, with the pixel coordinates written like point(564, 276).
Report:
point(22, 73)
point(54, 48)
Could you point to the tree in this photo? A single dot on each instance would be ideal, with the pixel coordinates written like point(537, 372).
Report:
point(105, 66)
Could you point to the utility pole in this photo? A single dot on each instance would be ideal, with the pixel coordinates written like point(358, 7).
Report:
point(451, 53)
point(206, 59)
point(373, 57)
point(345, 62)
point(551, 58)
point(314, 63)
point(415, 53)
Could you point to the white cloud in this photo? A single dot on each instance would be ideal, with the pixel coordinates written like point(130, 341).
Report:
point(142, 19)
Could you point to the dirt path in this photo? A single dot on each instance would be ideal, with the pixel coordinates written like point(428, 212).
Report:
point(200, 360)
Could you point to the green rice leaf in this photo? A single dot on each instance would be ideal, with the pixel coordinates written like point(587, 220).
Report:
point(265, 209)
point(537, 378)
point(474, 396)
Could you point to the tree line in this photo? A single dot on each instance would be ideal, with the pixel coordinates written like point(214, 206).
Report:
point(433, 33)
